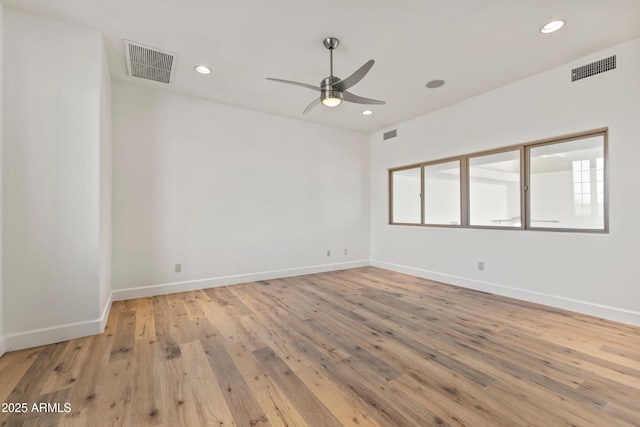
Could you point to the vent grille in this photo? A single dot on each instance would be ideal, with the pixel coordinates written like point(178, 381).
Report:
point(149, 63)
point(390, 134)
point(594, 68)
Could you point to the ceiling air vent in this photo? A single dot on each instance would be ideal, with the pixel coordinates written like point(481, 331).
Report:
point(594, 68)
point(390, 134)
point(149, 63)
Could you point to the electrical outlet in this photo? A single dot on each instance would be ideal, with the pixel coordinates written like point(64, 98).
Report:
point(481, 265)
point(328, 252)
point(178, 268)
point(346, 252)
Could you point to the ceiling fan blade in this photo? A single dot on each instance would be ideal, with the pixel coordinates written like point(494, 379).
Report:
point(348, 96)
point(355, 77)
point(294, 83)
point(310, 106)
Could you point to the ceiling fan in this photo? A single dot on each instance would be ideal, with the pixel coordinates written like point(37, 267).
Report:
point(333, 90)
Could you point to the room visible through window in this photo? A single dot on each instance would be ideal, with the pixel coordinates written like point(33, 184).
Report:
point(555, 185)
point(406, 190)
point(566, 184)
point(442, 193)
point(494, 190)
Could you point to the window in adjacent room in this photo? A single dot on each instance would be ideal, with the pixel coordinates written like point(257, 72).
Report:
point(494, 190)
point(559, 184)
point(405, 190)
point(567, 184)
point(442, 196)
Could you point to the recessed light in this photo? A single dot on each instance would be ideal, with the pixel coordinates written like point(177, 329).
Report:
point(552, 26)
point(367, 112)
point(202, 69)
point(433, 84)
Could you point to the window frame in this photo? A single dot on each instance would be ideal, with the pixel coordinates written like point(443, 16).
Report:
point(391, 171)
point(520, 150)
point(605, 152)
point(421, 166)
point(462, 192)
point(525, 198)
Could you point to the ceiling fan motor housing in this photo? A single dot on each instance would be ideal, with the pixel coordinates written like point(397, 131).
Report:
point(327, 91)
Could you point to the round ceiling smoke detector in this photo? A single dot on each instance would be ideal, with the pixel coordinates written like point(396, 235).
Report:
point(434, 84)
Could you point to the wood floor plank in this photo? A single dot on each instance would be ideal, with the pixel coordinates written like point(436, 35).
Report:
point(279, 410)
point(65, 373)
point(242, 403)
point(279, 338)
point(32, 383)
point(306, 403)
point(366, 387)
point(345, 408)
point(298, 331)
point(85, 386)
point(145, 323)
point(114, 392)
point(191, 394)
point(122, 346)
point(363, 347)
point(166, 338)
point(13, 366)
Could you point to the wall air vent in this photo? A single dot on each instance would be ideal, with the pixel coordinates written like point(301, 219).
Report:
point(594, 68)
point(149, 63)
point(390, 134)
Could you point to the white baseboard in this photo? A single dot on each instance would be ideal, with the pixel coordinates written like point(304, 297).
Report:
point(598, 310)
point(59, 333)
point(65, 332)
point(105, 313)
point(54, 334)
point(192, 285)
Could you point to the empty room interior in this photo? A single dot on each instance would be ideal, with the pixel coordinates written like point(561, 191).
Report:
point(363, 213)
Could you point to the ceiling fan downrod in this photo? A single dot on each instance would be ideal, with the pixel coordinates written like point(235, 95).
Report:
point(331, 43)
point(328, 95)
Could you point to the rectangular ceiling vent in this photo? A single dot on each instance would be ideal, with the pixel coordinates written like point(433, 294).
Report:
point(390, 134)
point(149, 63)
point(594, 68)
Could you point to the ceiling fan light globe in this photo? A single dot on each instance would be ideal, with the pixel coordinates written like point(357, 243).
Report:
point(331, 98)
point(332, 102)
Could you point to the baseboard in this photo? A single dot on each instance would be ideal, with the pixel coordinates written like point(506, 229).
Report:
point(192, 285)
point(598, 310)
point(105, 313)
point(59, 333)
point(54, 334)
point(70, 331)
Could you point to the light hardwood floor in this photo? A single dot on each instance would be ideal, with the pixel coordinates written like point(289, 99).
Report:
point(362, 347)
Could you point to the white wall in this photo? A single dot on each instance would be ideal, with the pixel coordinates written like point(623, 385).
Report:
point(585, 272)
point(233, 195)
point(52, 146)
point(105, 176)
point(1, 173)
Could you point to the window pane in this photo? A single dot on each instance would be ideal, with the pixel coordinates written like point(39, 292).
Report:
point(406, 196)
point(567, 184)
point(442, 193)
point(494, 190)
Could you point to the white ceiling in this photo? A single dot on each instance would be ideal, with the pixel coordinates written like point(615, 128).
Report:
point(475, 45)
